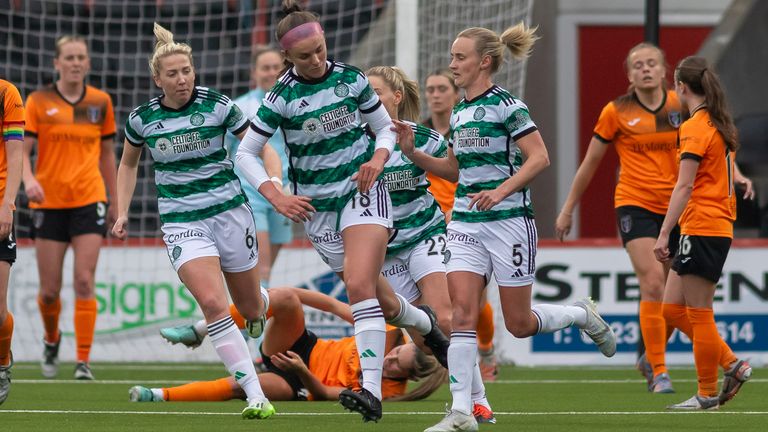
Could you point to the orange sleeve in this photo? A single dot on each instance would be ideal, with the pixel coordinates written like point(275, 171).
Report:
point(607, 124)
point(109, 129)
point(692, 141)
point(14, 109)
point(30, 115)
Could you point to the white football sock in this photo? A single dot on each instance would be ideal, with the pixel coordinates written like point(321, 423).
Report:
point(478, 388)
point(462, 358)
point(555, 317)
point(370, 337)
point(411, 316)
point(233, 351)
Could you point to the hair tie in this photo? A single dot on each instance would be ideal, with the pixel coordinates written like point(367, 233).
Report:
point(299, 33)
point(702, 72)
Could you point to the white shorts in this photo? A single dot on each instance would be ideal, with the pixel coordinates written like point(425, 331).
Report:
point(230, 235)
point(324, 230)
point(405, 269)
point(506, 248)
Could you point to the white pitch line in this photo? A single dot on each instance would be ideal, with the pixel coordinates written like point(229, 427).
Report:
point(545, 381)
point(388, 413)
point(595, 381)
point(138, 367)
point(85, 382)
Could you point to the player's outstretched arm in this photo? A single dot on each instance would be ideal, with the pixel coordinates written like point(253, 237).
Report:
point(324, 303)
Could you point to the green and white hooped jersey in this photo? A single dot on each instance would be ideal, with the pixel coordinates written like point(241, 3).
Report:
point(414, 210)
point(483, 136)
point(321, 122)
point(195, 179)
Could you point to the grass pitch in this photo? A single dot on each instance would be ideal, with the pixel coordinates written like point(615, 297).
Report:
point(523, 399)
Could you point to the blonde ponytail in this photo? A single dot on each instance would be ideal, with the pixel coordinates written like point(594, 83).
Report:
point(518, 39)
point(397, 80)
point(164, 47)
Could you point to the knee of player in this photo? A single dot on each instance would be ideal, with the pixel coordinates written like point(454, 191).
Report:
point(84, 285)
point(211, 305)
point(463, 319)
point(282, 299)
point(49, 297)
point(360, 285)
point(652, 289)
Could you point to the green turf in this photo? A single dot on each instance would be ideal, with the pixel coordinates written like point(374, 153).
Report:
point(524, 399)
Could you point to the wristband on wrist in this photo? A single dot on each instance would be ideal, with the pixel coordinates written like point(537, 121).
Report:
point(276, 180)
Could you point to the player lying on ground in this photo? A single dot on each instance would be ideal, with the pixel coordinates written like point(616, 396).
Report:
point(300, 366)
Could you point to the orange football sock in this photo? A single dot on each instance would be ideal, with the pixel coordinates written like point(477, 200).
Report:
point(203, 391)
point(239, 320)
point(485, 328)
point(654, 334)
point(676, 317)
point(706, 349)
point(50, 314)
point(85, 326)
point(6, 331)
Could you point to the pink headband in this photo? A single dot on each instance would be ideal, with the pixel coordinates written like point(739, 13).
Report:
point(298, 33)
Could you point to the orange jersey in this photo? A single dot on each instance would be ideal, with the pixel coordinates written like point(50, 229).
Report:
point(11, 124)
point(443, 190)
point(336, 364)
point(711, 209)
point(69, 137)
point(646, 142)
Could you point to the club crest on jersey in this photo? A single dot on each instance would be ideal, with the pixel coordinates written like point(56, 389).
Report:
point(197, 119)
point(101, 209)
point(94, 113)
point(37, 218)
point(626, 224)
point(367, 94)
point(479, 114)
point(176, 253)
point(518, 119)
point(675, 118)
point(163, 144)
point(311, 126)
point(404, 158)
point(235, 115)
point(341, 90)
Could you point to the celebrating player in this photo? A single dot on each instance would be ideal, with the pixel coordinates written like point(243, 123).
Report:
point(321, 106)
point(442, 95)
point(207, 225)
point(492, 229)
point(415, 264)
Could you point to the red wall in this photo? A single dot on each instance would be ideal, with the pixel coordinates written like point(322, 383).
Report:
point(602, 77)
